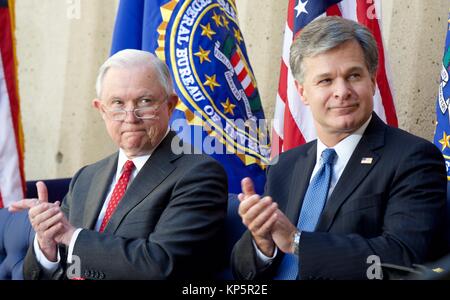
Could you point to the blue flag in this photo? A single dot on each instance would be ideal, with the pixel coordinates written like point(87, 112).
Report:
point(442, 133)
point(219, 109)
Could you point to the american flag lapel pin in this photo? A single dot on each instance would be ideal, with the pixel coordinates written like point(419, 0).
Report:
point(366, 160)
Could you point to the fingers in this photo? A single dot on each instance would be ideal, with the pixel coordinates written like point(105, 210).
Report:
point(247, 187)
point(255, 212)
point(259, 208)
point(26, 204)
point(42, 191)
point(51, 224)
point(42, 212)
point(259, 215)
point(247, 203)
point(282, 232)
point(22, 204)
point(259, 219)
point(262, 223)
point(263, 235)
point(52, 232)
point(241, 197)
point(268, 224)
point(29, 203)
point(53, 216)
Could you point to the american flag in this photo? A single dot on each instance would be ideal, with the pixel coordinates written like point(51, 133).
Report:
point(293, 123)
point(12, 179)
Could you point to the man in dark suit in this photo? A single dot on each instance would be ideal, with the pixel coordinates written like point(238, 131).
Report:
point(363, 194)
point(145, 212)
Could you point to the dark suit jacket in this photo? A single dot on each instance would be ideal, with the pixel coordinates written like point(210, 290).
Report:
point(394, 207)
point(168, 225)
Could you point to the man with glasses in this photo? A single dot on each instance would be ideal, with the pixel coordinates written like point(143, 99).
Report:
point(143, 212)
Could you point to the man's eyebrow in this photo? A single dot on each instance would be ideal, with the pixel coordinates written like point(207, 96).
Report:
point(321, 76)
point(327, 74)
point(112, 98)
point(146, 95)
point(143, 95)
point(355, 69)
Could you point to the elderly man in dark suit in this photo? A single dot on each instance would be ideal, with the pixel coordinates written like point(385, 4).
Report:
point(362, 195)
point(145, 212)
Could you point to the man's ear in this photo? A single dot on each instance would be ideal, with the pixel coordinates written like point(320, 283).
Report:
point(301, 91)
point(97, 104)
point(373, 78)
point(172, 101)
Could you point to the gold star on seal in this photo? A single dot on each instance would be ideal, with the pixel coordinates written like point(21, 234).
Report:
point(445, 141)
point(203, 55)
point(228, 107)
point(211, 82)
point(225, 22)
point(237, 35)
point(207, 31)
point(217, 19)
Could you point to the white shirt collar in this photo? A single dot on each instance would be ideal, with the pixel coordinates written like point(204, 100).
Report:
point(344, 149)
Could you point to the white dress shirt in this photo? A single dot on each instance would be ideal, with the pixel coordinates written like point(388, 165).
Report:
point(344, 150)
point(139, 162)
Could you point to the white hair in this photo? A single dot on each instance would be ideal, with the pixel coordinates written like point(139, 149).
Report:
point(131, 58)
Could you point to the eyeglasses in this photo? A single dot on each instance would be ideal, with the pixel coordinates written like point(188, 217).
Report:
point(143, 113)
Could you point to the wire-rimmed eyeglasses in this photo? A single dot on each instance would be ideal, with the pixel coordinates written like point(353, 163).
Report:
point(143, 113)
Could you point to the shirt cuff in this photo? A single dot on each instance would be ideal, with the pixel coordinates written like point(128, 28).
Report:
point(48, 266)
point(263, 260)
point(72, 244)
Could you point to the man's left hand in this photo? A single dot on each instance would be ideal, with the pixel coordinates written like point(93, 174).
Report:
point(283, 232)
point(64, 230)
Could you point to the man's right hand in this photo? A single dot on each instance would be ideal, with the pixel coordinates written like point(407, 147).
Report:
point(258, 215)
point(42, 215)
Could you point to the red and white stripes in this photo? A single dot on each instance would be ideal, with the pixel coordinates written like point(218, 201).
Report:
point(242, 74)
point(12, 180)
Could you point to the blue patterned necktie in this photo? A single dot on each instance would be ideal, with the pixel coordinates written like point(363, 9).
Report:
point(312, 207)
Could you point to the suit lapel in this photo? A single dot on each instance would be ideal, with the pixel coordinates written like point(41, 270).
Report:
point(157, 168)
point(305, 165)
point(97, 191)
point(355, 172)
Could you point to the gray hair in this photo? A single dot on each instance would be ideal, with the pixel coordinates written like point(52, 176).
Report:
point(131, 58)
point(326, 33)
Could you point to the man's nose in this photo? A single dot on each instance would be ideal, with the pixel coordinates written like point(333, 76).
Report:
point(130, 117)
point(342, 89)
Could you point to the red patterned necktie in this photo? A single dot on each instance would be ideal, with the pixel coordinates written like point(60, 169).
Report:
point(118, 192)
